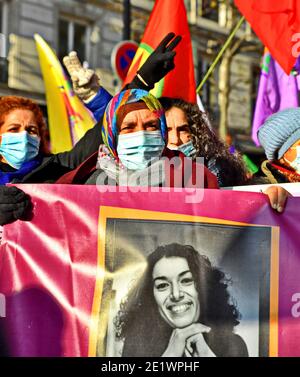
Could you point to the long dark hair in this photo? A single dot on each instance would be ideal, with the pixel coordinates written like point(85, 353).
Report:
point(231, 167)
point(138, 321)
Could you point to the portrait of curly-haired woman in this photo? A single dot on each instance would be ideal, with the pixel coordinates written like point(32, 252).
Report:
point(180, 307)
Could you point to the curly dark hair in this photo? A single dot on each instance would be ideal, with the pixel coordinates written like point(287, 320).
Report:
point(231, 169)
point(138, 321)
point(11, 103)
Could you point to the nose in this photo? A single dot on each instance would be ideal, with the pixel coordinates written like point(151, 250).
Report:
point(140, 126)
point(173, 138)
point(176, 294)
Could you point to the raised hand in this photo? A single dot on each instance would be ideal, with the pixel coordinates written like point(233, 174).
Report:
point(86, 83)
point(159, 63)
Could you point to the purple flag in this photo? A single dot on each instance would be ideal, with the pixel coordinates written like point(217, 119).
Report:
point(277, 91)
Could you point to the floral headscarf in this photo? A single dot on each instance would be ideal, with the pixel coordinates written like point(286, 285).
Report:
point(110, 128)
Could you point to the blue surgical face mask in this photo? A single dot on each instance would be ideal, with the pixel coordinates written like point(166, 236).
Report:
point(18, 148)
point(187, 149)
point(136, 150)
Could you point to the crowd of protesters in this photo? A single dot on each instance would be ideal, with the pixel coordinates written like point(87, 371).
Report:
point(137, 135)
point(135, 132)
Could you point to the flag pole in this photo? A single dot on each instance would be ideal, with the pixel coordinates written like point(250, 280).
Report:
point(227, 43)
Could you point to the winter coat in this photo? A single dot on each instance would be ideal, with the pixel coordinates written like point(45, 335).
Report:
point(87, 173)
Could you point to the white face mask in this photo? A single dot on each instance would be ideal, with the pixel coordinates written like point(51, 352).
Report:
point(295, 164)
point(136, 150)
point(187, 149)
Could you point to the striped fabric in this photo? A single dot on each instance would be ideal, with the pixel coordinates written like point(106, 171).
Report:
point(109, 127)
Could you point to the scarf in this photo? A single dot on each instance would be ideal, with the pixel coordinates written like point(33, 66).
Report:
point(153, 175)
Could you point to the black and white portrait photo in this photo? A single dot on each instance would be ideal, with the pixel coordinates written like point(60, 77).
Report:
point(185, 289)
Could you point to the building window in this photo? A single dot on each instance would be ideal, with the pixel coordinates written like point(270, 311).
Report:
point(74, 35)
point(1, 16)
point(209, 9)
point(3, 26)
point(3, 41)
point(203, 8)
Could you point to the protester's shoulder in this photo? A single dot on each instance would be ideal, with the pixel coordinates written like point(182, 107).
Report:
point(225, 343)
point(259, 180)
point(234, 345)
point(239, 348)
point(47, 158)
point(47, 172)
point(94, 178)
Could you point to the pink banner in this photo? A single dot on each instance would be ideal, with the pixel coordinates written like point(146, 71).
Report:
point(66, 274)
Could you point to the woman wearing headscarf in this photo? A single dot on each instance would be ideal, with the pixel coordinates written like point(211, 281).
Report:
point(189, 133)
point(135, 136)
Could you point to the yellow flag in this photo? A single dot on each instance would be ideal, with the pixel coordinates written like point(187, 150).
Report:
point(68, 118)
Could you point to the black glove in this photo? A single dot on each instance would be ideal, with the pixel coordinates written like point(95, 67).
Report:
point(13, 204)
point(159, 63)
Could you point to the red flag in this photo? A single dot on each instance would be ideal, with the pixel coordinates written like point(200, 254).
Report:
point(275, 23)
point(168, 16)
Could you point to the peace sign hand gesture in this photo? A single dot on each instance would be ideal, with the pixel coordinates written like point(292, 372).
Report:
point(160, 62)
point(85, 82)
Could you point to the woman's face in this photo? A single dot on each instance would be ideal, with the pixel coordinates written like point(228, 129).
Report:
point(175, 292)
point(17, 121)
point(20, 120)
point(178, 128)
